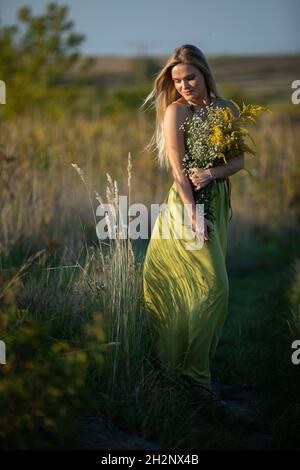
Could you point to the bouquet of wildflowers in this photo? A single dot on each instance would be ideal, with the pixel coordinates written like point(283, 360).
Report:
point(213, 137)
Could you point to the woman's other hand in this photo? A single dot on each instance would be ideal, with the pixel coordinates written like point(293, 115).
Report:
point(197, 229)
point(200, 177)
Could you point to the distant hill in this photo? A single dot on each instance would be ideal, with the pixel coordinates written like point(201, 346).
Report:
point(255, 76)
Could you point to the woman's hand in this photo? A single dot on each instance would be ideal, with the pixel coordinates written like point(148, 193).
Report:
point(208, 226)
point(200, 177)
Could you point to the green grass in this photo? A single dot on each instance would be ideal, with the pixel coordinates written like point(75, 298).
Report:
point(145, 400)
point(255, 349)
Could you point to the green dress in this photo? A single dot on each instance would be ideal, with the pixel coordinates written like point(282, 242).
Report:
point(186, 288)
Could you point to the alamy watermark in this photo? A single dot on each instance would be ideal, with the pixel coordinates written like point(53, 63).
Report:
point(296, 354)
point(2, 92)
point(2, 352)
point(174, 222)
point(295, 96)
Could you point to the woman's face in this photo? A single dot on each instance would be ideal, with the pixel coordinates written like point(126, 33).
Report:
point(189, 81)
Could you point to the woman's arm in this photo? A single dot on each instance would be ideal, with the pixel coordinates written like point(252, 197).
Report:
point(175, 148)
point(227, 169)
point(200, 177)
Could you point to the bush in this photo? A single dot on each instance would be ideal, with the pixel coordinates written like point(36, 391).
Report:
point(43, 383)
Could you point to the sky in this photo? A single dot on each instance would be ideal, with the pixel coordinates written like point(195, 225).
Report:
point(157, 27)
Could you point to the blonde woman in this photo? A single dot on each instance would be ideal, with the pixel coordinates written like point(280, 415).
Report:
point(186, 290)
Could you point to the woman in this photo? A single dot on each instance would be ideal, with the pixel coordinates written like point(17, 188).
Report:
point(186, 289)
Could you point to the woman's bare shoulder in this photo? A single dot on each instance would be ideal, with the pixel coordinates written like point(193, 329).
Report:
point(175, 116)
point(180, 103)
point(178, 108)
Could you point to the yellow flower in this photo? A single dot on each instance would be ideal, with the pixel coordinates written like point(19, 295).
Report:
point(217, 137)
point(216, 130)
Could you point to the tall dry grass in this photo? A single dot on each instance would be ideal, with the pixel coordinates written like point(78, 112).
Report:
point(40, 196)
point(42, 204)
point(105, 277)
point(270, 199)
point(113, 274)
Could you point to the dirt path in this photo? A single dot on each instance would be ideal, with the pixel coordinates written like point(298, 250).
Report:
point(244, 401)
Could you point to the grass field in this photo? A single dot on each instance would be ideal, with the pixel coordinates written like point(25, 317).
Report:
point(72, 312)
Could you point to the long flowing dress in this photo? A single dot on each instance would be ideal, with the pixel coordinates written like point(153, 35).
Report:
point(186, 288)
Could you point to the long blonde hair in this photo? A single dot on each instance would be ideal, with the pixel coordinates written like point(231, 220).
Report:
point(164, 93)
